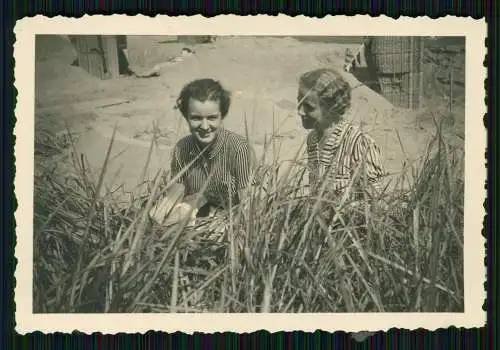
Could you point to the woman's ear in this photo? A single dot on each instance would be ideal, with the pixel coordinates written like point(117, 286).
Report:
point(229, 96)
point(225, 103)
point(177, 104)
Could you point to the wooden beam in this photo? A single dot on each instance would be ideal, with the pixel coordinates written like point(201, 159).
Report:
point(89, 55)
point(421, 74)
point(410, 97)
point(110, 52)
point(98, 55)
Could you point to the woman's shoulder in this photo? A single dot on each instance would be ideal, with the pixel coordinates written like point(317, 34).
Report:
point(360, 140)
point(184, 145)
point(355, 133)
point(233, 135)
point(186, 140)
point(365, 138)
point(235, 140)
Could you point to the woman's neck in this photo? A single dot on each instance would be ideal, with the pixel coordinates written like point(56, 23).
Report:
point(326, 129)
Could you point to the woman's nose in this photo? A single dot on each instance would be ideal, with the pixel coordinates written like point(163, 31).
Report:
point(300, 110)
point(204, 124)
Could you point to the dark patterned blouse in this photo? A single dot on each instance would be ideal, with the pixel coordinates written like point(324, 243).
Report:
point(229, 160)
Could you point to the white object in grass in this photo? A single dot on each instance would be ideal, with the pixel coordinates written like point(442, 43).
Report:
point(164, 214)
point(161, 209)
point(181, 212)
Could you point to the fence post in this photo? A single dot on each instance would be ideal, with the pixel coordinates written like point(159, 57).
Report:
point(98, 55)
point(421, 69)
point(451, 88)
point(89, 54)
point(410, 97)
point(110, 53)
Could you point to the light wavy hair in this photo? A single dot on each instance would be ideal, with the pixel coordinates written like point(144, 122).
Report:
point(333, 91)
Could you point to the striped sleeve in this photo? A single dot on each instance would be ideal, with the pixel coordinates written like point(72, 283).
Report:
point(244, 162)
point(365, 149)
point(175, 166)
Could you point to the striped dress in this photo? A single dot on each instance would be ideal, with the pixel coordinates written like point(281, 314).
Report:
point(229, 161)
point(336, 156)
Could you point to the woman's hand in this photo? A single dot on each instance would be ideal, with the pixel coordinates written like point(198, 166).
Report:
point(165, 215)
point(180, 212)
point(158, 212)
point(196, 200)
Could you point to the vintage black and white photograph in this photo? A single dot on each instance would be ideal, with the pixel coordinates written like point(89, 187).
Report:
point(251, 174)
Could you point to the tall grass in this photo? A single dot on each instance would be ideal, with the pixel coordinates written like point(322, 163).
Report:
point(279, 250)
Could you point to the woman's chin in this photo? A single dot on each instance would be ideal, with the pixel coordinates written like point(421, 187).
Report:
point(205, 141)
point(307, 125)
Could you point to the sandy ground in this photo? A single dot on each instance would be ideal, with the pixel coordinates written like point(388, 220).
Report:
point(261, 72)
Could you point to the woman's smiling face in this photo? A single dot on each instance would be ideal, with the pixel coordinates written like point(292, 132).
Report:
point(204, 120)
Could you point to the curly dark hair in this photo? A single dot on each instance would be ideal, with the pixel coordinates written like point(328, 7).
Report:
point(203, 90)
point(333, 90)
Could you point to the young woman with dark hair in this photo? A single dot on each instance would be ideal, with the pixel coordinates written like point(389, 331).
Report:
point(211, 157)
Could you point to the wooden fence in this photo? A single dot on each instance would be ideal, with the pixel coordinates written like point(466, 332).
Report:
point(397, 64)
point(100, 55)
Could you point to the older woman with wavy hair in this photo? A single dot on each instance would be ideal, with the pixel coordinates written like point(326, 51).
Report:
point(335, 148)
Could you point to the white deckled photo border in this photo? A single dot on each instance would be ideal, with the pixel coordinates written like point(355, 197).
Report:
point(475, 177)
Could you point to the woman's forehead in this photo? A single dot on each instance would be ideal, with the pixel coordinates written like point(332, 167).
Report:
point(203, 108)
point(305, 90)
point(308, 95)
